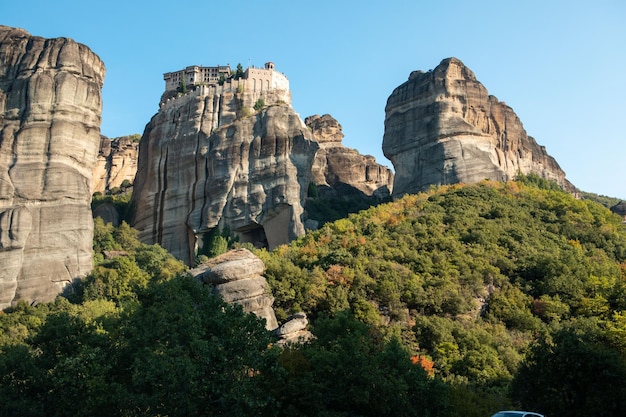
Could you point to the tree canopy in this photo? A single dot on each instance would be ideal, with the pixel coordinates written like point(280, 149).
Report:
point(463, 300)
point(468, 276)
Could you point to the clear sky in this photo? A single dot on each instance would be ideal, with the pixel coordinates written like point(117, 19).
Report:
point(559, 64)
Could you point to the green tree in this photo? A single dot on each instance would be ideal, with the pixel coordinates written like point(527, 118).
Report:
point(188, 354)
point(182, 85)
point(178, 351)
point(573, 372)
point(259, 104)
point(103, 239)
point(312, 190)
point(349, 371)
point(512, 307)
point(239, 72)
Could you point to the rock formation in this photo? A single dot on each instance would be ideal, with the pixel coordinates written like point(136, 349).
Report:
point(210, 160)
point(50, 112)
point(108, 213)
point(294, 330)
point(442, 127)
point(117, 162)
point(620, 209)
point(237, 276)
point(338, 170)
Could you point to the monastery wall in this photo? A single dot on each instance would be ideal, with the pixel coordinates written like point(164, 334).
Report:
point(229, 87)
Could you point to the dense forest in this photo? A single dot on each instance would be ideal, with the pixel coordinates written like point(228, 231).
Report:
point(463, 300)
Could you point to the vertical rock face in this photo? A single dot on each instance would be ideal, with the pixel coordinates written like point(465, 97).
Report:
point(442, 127)
point(117, 162)
point(342, 170)
point(50, 112)
point(208, 161)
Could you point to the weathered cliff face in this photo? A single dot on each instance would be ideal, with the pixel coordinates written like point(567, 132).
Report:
point(338, 170)
point(205, 162)
point(442, 127)
point(50, 112)
point(117, 162)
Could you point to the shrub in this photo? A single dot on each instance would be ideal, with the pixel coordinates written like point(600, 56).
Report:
point(260, 103)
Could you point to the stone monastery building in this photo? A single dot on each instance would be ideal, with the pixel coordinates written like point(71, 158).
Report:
point(255, 79)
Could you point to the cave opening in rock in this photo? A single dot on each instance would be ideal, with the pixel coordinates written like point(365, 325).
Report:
point(255, 235)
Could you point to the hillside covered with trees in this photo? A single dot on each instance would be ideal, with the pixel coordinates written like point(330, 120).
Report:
point(463, 300)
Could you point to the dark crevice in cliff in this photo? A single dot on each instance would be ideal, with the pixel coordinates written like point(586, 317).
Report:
point(108, 170)
point(218, 111)
point(161, 204)
point(200, 173)
point(48, 145)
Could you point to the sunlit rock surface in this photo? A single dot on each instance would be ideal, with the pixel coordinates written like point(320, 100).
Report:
point(210, 161)
point(237, 276)
point(50, 113)
point(117, 162)
point(442, 127)
point(340, 171)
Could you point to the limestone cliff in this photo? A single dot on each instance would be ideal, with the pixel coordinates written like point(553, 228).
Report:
point(338, 170)
point(210, 160)
point(117, 162)
point(50, 112)
point(442, 127)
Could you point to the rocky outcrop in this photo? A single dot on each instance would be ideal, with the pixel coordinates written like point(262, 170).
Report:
point(108, 213)
point(210, 161)
point(340, 171)
point(294, 330)
point(442, 127)
point(620, 209)
point(50, 112)
point(117, 162)
point(237, 277)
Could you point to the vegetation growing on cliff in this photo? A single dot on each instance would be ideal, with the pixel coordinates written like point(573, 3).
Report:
point(508, 294)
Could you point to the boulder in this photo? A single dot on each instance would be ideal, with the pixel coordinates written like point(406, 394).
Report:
point(295, 323)
point(294, 330)
point(108, 213)
point(236, 277)
point(50, 113)
point(233, 265)
point(442, 127)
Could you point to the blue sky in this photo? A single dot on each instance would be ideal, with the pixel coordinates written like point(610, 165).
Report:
point(559, 64)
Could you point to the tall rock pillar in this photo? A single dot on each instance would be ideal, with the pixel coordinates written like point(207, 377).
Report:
point(249, 174)
point(442, 127)
point(50, 113)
